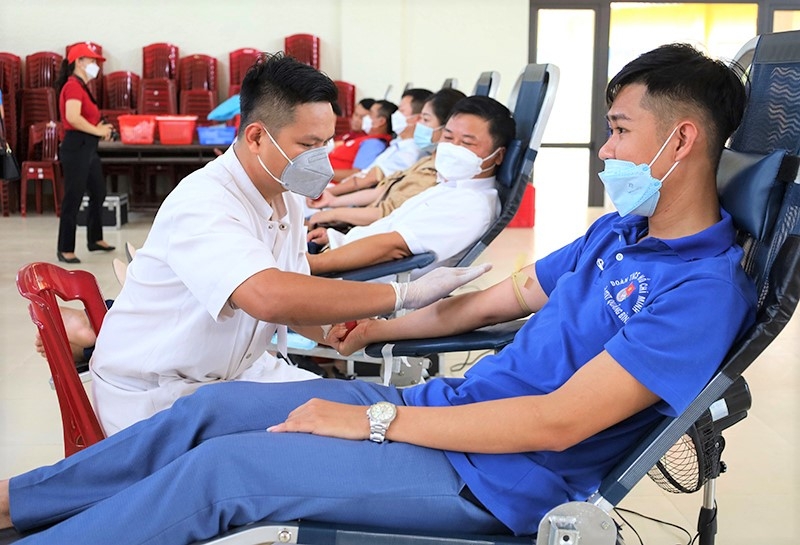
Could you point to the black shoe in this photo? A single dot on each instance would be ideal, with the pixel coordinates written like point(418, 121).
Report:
point(94, 247)
point(63, 259)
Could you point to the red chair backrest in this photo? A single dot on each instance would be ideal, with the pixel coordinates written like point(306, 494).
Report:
point(197, 102)
point(37, 105)
point(347, 97)
point(41, 283)
point(10, 73)
point(160, 60)
point(240, 62)
point(303, 47)
point(43, 141)
point(157, 96)
point(121, 90)
point(198, 72)
point(41, 69)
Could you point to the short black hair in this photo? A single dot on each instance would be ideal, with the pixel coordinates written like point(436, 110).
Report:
point(681, 81)
point(442, 103)
point(385, 110)
point(502, 126)
point(276, 84)
point(366, 103)
point(418, 98)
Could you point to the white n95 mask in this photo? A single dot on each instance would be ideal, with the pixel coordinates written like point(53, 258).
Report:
point(455, 163)
point(399, 122)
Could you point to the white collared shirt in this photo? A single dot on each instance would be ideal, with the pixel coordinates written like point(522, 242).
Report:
point(172, 328)
point(400, 155)
point(445, 219)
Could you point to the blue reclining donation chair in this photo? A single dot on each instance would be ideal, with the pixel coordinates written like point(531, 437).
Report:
point(531, 101)
point(759, 186)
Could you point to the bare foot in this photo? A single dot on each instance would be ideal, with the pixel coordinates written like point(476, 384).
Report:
point(5, 512)
point(79, 332)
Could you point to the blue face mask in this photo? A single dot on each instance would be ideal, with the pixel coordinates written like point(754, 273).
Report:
point(631, 187)
point(423, 137)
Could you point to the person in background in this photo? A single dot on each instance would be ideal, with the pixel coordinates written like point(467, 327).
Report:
point(80, 117)
point(445, 219)
point(356, 120)
point(402, 151)
point(359, 152)
point(365, 206)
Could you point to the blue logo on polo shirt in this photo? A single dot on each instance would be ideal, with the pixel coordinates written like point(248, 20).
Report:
point(626, 296)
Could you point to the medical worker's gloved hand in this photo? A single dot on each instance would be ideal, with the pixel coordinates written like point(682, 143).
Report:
point(434, 285)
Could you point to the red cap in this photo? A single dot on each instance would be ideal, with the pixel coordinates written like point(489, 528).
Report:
point(82, 50)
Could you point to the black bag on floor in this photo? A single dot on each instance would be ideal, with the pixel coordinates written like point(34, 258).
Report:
point(9, 167)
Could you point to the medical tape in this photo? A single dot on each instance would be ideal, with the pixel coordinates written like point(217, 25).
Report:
point(388, 363)
point(515, 281)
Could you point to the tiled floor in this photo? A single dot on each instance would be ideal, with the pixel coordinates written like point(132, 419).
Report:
point(759, 499)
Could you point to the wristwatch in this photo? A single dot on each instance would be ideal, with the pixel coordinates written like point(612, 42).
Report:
point(380, 416)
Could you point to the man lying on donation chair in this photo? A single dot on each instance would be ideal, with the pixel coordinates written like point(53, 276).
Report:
point(402, 152)
point(445, 219)
point(609, 351)
point(357, 153)
point(370, 204)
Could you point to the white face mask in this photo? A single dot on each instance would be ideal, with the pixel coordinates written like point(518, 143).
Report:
point(366, 124)
point(92, 70)
point(399, 122)
point(455, 163)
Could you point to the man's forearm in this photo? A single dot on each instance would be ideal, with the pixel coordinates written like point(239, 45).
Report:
point(360, 253)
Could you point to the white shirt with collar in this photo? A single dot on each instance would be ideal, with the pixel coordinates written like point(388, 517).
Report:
point(446, 219)
point(172, 328)
point(400, 155)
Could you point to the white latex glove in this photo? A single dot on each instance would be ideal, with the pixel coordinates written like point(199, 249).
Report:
point(434, 285)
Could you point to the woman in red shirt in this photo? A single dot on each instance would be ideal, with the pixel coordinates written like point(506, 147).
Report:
point(80, 118)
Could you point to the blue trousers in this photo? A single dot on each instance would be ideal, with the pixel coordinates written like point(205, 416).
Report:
point(207, 465)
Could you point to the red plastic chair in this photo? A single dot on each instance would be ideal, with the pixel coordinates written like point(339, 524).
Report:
point(240, 62)
point(121, 90)
point(157, 97)
point(41, 69)
point(41, 283)
point(347, 103)
point(160, 60)
point(37, 105)
point(42, 165)
point(197, 102)
point(198, 72)
point(303, 47)
point(10, 84)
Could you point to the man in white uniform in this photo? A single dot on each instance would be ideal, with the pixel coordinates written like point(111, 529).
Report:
point(445, 219)
point(224, 265)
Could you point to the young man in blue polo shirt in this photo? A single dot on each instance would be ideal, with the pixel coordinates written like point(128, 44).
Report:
point(608, 351)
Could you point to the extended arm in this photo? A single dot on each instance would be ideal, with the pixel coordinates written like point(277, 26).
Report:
point(453, 315)
point(352, 216)
point(360, 253)
point(290, 298)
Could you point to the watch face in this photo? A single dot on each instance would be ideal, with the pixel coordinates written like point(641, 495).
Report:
point(382, 411)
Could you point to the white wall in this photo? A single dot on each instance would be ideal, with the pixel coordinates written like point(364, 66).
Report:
point(367, 42)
